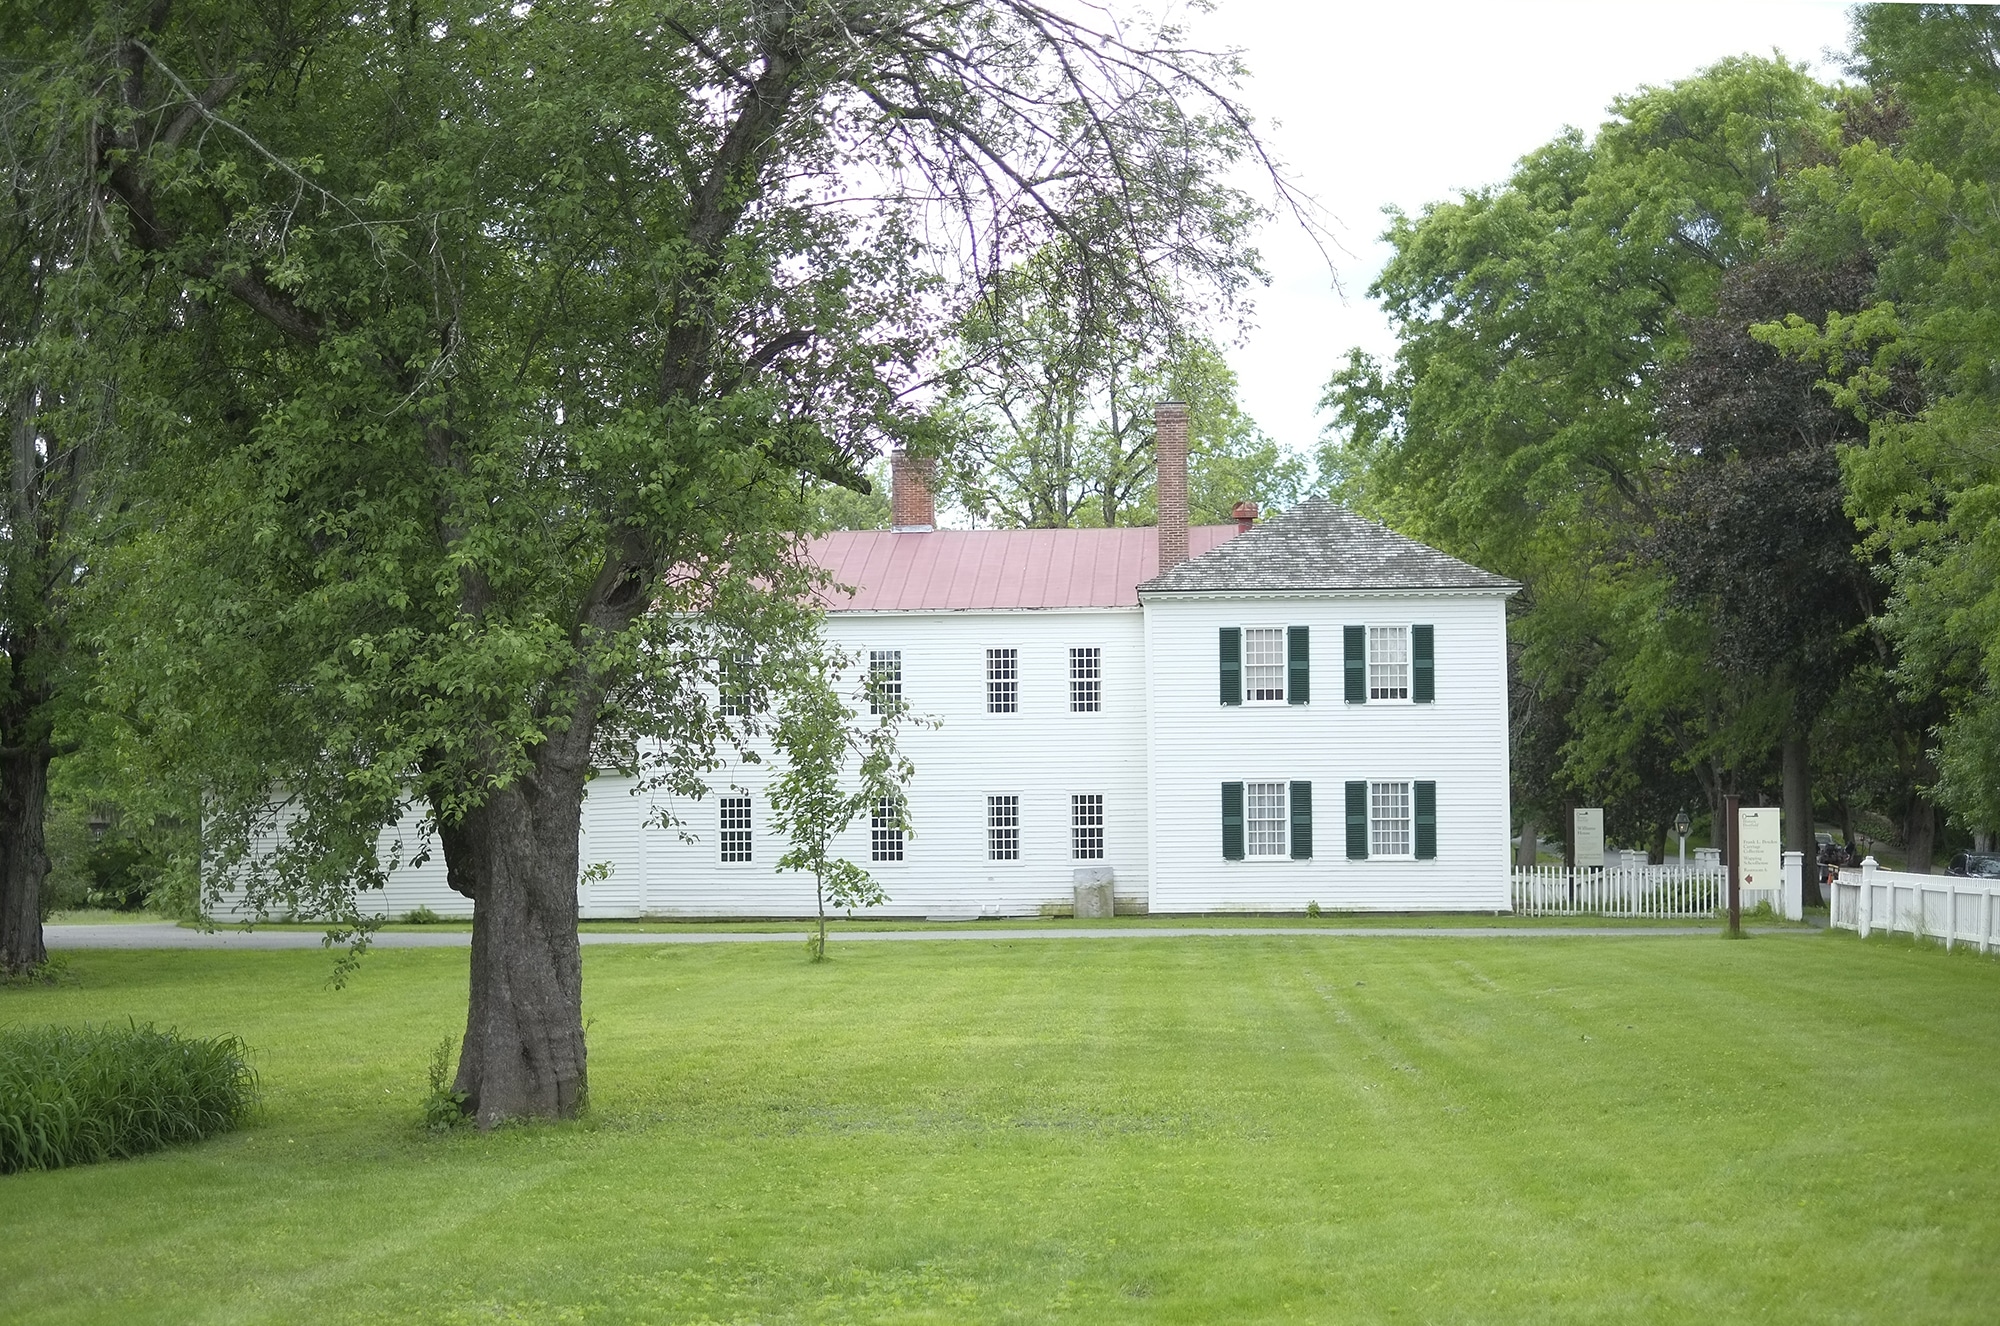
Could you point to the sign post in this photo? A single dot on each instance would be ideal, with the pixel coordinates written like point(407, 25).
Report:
point(1730, 806)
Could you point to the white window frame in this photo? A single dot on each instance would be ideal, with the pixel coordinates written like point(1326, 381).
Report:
point(879, 686)
point(993, 828)
point(1086, 692)
point(1284, 820)
point(735, 685)
point(1377, 789)
point(883, 838)
point(1386, 634)
point(748, 828)
point(1283, 665)
point(1078, 828)
point(1003, 680)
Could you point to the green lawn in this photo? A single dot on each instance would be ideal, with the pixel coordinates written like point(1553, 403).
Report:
point(1157, 921)
point(1182, 1130)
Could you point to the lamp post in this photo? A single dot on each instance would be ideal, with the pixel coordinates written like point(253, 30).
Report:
point(1681, 826)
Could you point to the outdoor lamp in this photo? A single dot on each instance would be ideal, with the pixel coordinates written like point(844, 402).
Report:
point(1682, 823)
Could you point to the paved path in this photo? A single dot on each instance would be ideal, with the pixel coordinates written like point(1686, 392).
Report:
point(165, 934)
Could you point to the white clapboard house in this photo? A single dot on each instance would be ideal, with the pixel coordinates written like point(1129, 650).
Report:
point(1249, 717)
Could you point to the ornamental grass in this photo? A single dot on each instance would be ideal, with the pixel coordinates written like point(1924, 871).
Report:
point(74, 1095)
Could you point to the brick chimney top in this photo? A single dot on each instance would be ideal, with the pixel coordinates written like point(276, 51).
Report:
point(1244, 514)
point(1170, 453)
point(914, 509)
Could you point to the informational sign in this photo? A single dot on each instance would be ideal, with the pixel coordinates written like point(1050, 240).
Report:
point(1590, 837)
point(1759, 851)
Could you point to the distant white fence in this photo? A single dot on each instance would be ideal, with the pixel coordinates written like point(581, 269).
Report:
point(1699, 890)
point(1948, 907)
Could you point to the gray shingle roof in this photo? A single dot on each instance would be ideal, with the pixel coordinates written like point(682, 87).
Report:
point(1317, 545)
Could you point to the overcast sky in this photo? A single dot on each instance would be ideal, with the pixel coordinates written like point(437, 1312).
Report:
point(1404, 104)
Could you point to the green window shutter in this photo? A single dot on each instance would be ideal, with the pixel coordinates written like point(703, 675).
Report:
point(1354, 640)
point(1298, 655)
point(1232, 821)
point(1302, 821)
point(1232, 665)
point(1423, 681)
point(1427, 821)
point(1357, 821)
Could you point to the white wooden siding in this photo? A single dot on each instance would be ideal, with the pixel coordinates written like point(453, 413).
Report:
point(408, 888)
point(1043, 753)
point(1162, 793)
point(1198, 743)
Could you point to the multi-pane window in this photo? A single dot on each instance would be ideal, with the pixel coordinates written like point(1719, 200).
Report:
point(736, 828)
point(1388, 662)
point(1086, 680)
point(1389, 819)
point(885, 683)
point(885, 830)
point(1003, 828)
point(1264, 818)
point(1003, 681)
point(1264, 663)
point(734, 686)
point(1086, 826)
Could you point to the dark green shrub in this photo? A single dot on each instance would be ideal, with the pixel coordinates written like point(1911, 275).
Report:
point(422, 916)
point(73, 1095)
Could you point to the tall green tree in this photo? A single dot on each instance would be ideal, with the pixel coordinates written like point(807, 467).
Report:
point(1523, 425)
point(1914, 187)
point(62, 333)
point(1051, 412)
point(510, 338)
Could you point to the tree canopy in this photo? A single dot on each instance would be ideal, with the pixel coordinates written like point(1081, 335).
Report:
point(501, 354)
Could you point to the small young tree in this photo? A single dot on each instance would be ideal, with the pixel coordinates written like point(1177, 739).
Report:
point(817, 735)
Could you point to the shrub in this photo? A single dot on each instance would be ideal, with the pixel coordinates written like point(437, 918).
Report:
point(74, 1095)
point(421, 916)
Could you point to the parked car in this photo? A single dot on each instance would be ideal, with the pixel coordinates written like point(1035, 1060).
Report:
point(1978, 865)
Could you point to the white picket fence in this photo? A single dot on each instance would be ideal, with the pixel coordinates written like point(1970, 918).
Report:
point(1623, 890)
point(1951, 908)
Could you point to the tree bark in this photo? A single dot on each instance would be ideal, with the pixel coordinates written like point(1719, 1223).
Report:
point(523, 1054)
point(1798, 812)
point(1919, 835)
point(1719, 828)
point(1524, 856)
point(24, 785)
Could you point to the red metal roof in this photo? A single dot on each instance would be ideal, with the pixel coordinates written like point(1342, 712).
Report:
point(943, 570)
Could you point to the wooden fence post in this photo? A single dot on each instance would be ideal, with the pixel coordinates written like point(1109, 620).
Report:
point(1864, 915)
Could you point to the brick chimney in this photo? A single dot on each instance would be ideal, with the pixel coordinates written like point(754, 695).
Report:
point(1170, 452)
point(1244, 514)
point(910, 492)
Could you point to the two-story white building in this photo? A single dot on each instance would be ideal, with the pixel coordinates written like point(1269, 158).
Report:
point(1311, 709)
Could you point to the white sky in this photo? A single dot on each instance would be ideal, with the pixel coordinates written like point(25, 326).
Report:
point(1404, 104)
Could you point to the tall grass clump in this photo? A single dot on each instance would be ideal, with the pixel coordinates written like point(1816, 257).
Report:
point(74, 1095)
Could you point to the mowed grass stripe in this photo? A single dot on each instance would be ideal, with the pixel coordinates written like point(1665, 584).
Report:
point(1256, 1129)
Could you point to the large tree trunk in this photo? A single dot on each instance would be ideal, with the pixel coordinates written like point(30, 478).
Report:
point(1920, 835)
point(24, 784)
point(523, 1055)
point(1798, 813)
point(1524, 855)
